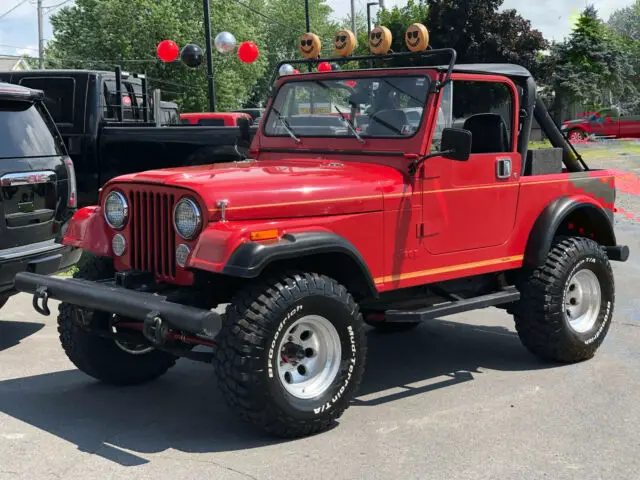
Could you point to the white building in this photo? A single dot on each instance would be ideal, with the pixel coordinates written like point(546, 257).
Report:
point(12, 63)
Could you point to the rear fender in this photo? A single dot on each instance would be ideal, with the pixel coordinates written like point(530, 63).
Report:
point(88, 231)
point(554, 216)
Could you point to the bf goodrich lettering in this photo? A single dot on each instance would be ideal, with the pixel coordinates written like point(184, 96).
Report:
point(607, 317)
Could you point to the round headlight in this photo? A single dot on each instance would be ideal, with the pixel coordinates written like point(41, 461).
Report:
point(187, 218)
point(116, 210)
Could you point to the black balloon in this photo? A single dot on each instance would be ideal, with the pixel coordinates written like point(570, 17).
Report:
point(335, 67)
point(191, 55)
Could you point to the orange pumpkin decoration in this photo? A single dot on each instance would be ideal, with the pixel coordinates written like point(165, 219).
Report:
point(310, 45)
point(380, 40)
point(344, 43)
point(417, 37)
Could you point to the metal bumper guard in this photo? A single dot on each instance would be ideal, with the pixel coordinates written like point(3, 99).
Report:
point(157, 314)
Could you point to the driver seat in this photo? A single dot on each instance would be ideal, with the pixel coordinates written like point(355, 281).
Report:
point(488, 133)
point(387, 123)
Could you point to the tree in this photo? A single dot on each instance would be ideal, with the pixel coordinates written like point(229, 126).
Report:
point(474, 28)
point(103, 33)
point(283, 28)
point(480, 33)
point(626, 21)
point(593, 67)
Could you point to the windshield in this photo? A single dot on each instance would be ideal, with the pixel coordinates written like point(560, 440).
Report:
point(383, 107)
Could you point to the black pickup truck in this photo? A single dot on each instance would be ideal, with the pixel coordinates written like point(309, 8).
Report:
point(37, 189)
point(108, 124)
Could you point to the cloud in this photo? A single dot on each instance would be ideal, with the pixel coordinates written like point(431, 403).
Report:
point(19, 29)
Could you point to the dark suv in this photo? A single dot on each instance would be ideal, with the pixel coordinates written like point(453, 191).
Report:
point(37, 189)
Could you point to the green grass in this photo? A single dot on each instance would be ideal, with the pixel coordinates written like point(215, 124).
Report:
point(70, 272)
point(598, 150)
point(543, 144)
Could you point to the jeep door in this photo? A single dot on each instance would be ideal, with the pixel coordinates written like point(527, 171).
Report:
point(472, 204)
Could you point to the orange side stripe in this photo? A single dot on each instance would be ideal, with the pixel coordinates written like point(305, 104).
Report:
point(451, 268)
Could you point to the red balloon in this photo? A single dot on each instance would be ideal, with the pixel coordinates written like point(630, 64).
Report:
point(248, 52)
point(168, 50)
point(296, 71)
point(324, 67)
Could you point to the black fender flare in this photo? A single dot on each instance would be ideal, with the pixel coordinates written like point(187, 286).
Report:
point(251, 258)
point(547, 224)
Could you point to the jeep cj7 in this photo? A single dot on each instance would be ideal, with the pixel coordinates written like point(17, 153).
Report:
point(385, 196)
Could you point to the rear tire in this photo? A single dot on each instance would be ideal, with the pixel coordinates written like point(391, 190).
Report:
point(102, 358)
point(272, 330)
point(566, 306)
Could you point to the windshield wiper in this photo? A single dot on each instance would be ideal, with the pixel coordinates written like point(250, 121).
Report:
point(286, 126)
point(351, 127)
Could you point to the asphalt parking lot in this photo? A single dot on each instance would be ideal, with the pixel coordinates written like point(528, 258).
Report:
point(457, 398)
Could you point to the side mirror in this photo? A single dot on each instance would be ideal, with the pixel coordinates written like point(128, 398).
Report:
point(243, 126)
point(456, 144)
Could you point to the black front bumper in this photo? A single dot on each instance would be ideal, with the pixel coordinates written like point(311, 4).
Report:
point(153, 310)
point(43, 261)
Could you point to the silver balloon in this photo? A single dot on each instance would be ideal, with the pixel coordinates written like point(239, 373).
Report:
point(225, 42)
point(286, 69)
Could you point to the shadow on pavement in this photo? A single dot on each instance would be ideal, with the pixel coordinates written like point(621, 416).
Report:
point(12, 333)
point(184, 411)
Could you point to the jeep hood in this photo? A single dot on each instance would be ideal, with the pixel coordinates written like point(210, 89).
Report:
point(280, 189)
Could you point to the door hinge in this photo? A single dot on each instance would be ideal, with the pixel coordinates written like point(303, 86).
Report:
point(420, 230)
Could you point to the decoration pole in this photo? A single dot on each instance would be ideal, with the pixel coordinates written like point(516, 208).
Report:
point(209, 47)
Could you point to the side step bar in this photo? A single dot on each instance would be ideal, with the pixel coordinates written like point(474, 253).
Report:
point(508, 295)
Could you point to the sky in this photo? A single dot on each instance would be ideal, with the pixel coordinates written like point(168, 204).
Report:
point(19, 29)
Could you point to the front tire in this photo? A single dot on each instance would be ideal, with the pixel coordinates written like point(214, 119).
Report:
point(291, 354)
point(566, 306)
point(102, 358)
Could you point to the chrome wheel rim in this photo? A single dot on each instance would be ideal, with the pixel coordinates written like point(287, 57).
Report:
point(309, 357)
point(583, 298)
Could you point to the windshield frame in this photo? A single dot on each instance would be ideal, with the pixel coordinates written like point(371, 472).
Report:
point(373, 75)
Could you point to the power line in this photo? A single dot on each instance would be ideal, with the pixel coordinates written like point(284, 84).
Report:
point(13, 8)
point(53, 7)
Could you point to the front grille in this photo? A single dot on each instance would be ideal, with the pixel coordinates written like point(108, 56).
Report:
point(152, 240)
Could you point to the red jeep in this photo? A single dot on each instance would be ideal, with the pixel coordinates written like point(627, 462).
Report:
point(327, 228)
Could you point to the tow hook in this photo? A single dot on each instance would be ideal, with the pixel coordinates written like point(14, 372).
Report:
point(41, 293)
point(154, 329)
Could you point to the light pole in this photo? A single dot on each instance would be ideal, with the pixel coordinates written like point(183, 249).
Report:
point(379, 3)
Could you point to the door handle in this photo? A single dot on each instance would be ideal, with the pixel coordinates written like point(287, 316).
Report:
point(503, 168)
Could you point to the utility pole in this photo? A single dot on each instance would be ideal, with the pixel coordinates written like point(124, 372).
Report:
point(353, 18)
point(40, 37)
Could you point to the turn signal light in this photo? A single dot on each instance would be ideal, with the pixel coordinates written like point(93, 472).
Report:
point(264, 235)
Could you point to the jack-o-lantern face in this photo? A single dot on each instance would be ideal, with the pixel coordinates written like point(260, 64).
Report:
point(345, 43)
point(380, 40)
point(310, 45)
point(417, 37)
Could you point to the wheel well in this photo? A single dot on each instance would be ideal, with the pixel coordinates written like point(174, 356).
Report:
point(337, 265)
point(585, 222)
point(566, 217)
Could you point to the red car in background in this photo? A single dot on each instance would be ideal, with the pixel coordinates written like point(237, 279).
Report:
point(214, 119)
point(606, 123)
